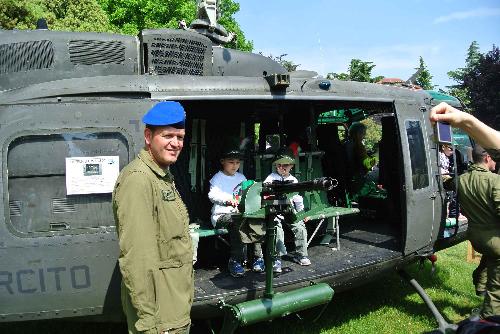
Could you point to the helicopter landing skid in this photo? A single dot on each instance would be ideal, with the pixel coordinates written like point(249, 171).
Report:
point(444, 326)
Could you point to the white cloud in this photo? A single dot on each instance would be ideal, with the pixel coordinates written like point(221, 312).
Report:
point(479, 12)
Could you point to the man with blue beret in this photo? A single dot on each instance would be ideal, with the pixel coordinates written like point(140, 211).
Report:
point(153, 229)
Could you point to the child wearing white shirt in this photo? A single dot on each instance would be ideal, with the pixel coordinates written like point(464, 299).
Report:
point(224, 188)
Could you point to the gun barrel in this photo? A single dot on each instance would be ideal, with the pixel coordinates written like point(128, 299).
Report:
point(322, 183)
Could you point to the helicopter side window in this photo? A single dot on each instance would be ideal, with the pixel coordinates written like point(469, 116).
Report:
point(63, 182)
point(419, 171)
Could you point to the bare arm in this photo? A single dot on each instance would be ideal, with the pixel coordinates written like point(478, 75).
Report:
point(484, 135)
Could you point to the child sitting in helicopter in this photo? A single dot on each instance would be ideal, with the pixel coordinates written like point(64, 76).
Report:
point(224, 190)
point(284, 163)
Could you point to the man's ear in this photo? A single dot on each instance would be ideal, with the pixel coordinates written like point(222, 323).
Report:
point(148, 136)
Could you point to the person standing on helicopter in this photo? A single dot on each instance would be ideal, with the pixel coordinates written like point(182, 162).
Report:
point(153, 230)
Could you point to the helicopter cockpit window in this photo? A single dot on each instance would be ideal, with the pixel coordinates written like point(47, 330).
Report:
point(419, 171)
point(63, 182)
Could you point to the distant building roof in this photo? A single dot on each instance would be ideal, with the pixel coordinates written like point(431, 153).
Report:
point(390, 81)
point(399, 83)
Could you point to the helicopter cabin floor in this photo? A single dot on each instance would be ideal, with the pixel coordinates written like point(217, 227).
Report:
point(362, 243)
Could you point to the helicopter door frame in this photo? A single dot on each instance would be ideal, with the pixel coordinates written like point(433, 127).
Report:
point(418, 185)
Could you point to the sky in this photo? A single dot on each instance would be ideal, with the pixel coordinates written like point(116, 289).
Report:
point(324, 35)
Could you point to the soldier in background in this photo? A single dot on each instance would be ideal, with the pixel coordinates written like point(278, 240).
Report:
point(479, 193)
point(479, 190)
point(153, 229)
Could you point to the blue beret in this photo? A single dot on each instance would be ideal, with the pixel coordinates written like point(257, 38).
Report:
point(165, 113)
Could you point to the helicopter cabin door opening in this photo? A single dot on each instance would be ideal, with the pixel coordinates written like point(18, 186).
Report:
point(372, 232)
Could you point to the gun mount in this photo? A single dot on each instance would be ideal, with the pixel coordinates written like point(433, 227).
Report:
point(274, 305)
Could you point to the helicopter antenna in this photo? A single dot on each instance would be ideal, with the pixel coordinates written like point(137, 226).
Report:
point(206, 23)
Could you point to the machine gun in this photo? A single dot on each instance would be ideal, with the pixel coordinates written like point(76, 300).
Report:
point(273, 305)
point(279, 188)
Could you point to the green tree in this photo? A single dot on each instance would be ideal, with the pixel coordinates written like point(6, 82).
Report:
point(483, 85)
point(424, 77)
point(21, 14)
point(373, 133)
point(289, 65)
point(125, 16)
point(131, 16)
point(72, 15)
point(471, 62)
point(338, 76)
point(228, 9)
point(358, 71)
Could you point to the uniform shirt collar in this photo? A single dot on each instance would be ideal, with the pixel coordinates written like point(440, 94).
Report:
point(478, 168)
point(145, 157)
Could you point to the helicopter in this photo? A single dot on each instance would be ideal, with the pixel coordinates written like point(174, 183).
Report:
point(70, 111)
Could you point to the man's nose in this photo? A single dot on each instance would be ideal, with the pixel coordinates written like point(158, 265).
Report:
point(175, 141)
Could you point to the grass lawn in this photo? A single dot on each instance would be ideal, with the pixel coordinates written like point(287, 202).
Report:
point(390, 305)
point(387, 305)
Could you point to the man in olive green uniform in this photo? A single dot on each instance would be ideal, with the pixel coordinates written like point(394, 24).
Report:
point(479, 194)
point(153, 228)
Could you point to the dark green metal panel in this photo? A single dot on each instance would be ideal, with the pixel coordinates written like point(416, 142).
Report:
point(281, 304)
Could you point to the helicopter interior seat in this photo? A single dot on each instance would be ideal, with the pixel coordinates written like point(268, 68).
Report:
point(308, 165)
point(203, 162)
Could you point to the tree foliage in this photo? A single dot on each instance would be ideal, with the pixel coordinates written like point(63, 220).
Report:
point(132, 16)
point(124, 16)
point(424, 77)
point(72, 15)
point(358, 71)
point(483, 84)
point(373, 134)
point(228, 9)
point(471, 61)
point(361, 70)
point(289, 65)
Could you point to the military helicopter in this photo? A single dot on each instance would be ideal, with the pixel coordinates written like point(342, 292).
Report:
point(70, 110)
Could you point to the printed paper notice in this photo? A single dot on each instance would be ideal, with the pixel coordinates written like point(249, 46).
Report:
point(91, 175)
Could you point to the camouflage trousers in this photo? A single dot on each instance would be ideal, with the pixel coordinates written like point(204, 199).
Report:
point(242, 232)
point(299, 236)
point(486, 277)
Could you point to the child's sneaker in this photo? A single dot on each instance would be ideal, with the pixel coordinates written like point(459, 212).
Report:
point(277, 266)
point(258, 265)
point(235, 268)
point(302, 260)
